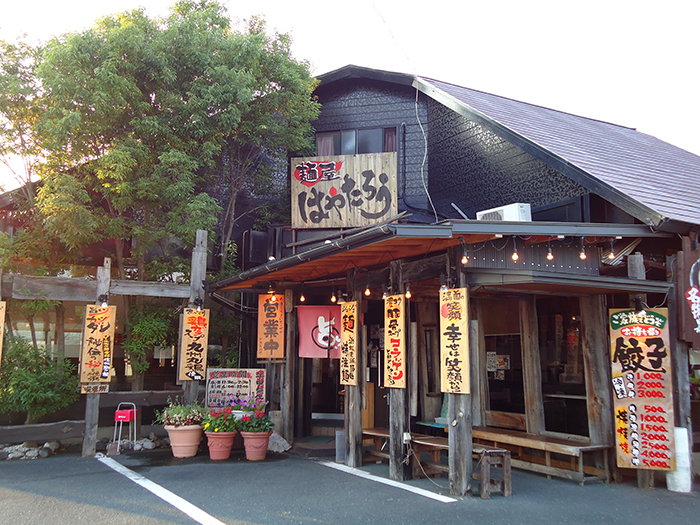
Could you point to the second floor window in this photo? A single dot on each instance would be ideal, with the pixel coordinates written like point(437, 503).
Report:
point(350, 142)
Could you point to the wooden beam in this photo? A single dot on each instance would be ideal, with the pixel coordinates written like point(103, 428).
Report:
point(290, 363)
point(198, 271)
point(353, 395)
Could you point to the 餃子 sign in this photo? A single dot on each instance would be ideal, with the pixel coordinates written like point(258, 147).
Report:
point(642, 389)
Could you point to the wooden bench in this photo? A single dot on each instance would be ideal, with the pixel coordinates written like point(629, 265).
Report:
point(523, 445)
point(487, 456)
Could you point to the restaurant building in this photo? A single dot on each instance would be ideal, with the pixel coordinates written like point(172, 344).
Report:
point(503, 267)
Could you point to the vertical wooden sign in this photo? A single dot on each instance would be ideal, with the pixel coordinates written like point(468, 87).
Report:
point(98, 346)
point(270, 326)
point(394, 342)
point(454, 341)
point(642, 387)
point(3, 309)
point(349, 343)
point(194, 342)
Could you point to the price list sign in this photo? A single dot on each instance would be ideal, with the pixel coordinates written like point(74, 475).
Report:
point(228, 384)
point(643, 392)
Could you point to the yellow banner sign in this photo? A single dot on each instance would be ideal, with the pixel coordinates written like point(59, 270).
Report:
point(643, 392)
point(349, 343)
point(194, 343)
point(343, 190)
point(394, 342)
point(98, 344)
point(270, 326)
point(454, 341)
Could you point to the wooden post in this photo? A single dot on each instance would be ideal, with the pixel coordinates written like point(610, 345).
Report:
point(287, 384)
point(398, 406)
point(459, 418)
point(198, 271)
point(353, 397)
point(92, 401)
point(532, 368)
point(635, 270)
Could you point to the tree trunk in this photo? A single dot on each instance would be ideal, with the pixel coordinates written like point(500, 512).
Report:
point(32, 329)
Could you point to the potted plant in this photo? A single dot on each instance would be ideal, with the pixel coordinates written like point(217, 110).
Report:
point(183, 423)
point(220, 426)
point(255, 427)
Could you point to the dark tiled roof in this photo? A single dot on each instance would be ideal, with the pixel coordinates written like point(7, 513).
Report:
point(631, 166)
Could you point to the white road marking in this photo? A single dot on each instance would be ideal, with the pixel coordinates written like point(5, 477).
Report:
point(391, 483)
point(176, 501)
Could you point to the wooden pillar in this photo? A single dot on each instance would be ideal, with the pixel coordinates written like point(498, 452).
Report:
point(198, 272)
point(478, 390)
point(353, 393)
point(290, 356)
point(532, 368)
point(92, 401)
point(597, 372)
point(398, 404)
point(459, 417)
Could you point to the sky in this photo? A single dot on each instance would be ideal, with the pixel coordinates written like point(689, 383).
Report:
point(628, 62)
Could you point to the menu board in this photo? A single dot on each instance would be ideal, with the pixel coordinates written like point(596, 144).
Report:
point(98, 346)
point(643, 391)
point(394, 342)
point(225, 384)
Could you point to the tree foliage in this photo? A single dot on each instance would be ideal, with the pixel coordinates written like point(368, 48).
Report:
point(31, 382)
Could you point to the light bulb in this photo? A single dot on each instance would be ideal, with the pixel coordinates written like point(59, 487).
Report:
point(302, 298)
point(550, 255)
point(367, 292)
point(465, 259)
point(515, 255)
point(582, 255)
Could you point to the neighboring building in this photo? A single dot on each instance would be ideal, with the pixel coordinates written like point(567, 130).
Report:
point(404, 166)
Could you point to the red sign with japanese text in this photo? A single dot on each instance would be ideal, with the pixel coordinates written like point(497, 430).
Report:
point(98, 344)
point(394, 342)
point(454, 341)
point(194, 342)
point(270, 326)
point(642, 388)
point(349, 343)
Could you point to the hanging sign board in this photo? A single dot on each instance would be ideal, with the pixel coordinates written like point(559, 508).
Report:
point(98, 346)
point(343, 191)
point(643, 393)
point(319, 331)
point(349, 343)
point(3, 310)
point(270, 326)
point(227, 384)
point(394, 342)
point(194, 342)
point(454, 341)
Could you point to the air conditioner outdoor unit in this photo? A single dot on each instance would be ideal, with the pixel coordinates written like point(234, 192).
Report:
point(512, 212)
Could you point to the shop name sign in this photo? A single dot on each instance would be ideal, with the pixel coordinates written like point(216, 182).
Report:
point(343, 190)
point(642, 389)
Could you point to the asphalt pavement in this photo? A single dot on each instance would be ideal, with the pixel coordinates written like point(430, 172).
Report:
point(152, 487)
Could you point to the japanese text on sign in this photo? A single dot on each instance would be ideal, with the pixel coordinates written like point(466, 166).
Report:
point(226, 384)
point(641, 382)
point(194, 344)
point(342, 191)
point(270, 326)
point(98, 344)
point(394, 342)
point(454, 341)
point(349, 350)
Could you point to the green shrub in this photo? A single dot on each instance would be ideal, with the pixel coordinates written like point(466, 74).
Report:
point(31, 382)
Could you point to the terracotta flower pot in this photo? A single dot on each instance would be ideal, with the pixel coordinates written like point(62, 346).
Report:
point(184, 440)
point(220, 444)
point(255, 444)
